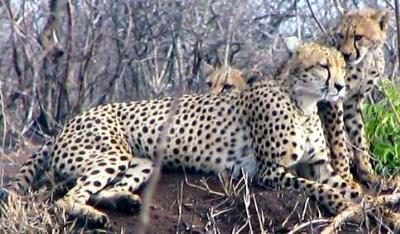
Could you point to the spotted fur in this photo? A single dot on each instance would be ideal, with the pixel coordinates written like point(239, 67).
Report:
point(267, 130)
point(359, 36)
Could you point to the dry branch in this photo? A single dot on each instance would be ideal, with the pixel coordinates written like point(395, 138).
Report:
point(315, 17)
point(355, 212)
point(339, 7)
point(144, 216)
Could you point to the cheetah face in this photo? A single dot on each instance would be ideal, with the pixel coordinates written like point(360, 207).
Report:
point(319, 73)
point(224, 79)
point(360, 31)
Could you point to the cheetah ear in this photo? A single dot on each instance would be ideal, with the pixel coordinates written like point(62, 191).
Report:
point(207, 69)
point(292, 44)
point(252, 75)
point(382, 16)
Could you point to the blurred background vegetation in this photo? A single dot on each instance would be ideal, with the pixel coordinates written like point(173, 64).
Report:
point(61, 57)
point(383, 128)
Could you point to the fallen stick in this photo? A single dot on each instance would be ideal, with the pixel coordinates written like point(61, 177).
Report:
point(354, 212)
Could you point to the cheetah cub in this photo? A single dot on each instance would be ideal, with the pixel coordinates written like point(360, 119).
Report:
point(227, 78)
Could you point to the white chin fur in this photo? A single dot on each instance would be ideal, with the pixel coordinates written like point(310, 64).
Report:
point(333, 98)
point(357, 61)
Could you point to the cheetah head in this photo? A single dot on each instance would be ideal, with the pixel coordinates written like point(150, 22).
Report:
point(228, 78)
point(360, 31)
point(224, 78)
point(316, 72)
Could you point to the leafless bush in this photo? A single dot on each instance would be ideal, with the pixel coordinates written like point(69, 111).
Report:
point(60, 57)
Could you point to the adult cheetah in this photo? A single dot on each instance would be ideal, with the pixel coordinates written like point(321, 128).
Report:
point(267, 130)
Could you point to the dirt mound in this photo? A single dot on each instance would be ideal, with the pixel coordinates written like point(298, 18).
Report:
point(196, 203)
point(191, 206)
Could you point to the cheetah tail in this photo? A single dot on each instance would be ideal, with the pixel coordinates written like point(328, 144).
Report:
point(31, 173)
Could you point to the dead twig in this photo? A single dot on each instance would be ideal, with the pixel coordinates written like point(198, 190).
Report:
point(144, 216)
point(260, 216)
point(299, 227)
point(206, 188)
point(315, 17)
point(180, 203)
point(355, 212)
point(339, 7)
point(291, 213)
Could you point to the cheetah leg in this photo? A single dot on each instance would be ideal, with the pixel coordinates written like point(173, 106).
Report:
point(321, 168)
point(30, 177)
point(355, 130)
point(325, 174)
point(381, 215)
point(279, 176)
point(120, 195)
point(331, 115)
point(391, 219)
point(91, 181)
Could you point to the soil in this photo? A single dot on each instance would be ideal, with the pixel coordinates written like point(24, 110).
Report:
point(197, 204)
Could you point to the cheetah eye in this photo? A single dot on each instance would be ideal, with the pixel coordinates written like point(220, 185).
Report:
point(209, 84)
point(228, 86)
point(358, 37)
point(323, 65)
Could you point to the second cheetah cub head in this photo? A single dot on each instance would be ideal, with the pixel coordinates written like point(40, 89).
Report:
point(227, 78)
point(361, 31)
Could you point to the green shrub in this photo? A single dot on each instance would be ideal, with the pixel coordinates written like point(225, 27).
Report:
point(382, 128)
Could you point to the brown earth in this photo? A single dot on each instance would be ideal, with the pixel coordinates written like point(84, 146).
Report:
point(187, 205)
point(202, 211)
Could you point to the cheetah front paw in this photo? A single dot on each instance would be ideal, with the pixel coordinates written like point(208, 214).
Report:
point(128, 203)
point(124, 202)
point(83, 212)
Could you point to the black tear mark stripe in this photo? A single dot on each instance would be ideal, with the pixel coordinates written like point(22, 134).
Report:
point(327, 80)
point(355, 46)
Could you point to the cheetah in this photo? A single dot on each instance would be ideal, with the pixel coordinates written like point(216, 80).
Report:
point(227, 78)
point(266, 130)
point(360, 37)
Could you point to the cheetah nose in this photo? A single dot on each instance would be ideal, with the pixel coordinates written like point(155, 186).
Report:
point(339, 87)
point(346, 56)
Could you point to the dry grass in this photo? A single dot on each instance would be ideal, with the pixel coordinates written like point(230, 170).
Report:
point(236, 199)
point(232, 201)
point(36, 213)
point(27, 215)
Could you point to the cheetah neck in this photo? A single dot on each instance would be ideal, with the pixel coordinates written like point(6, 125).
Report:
point(306, 104)
point(368, 70)
point(304, 100)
